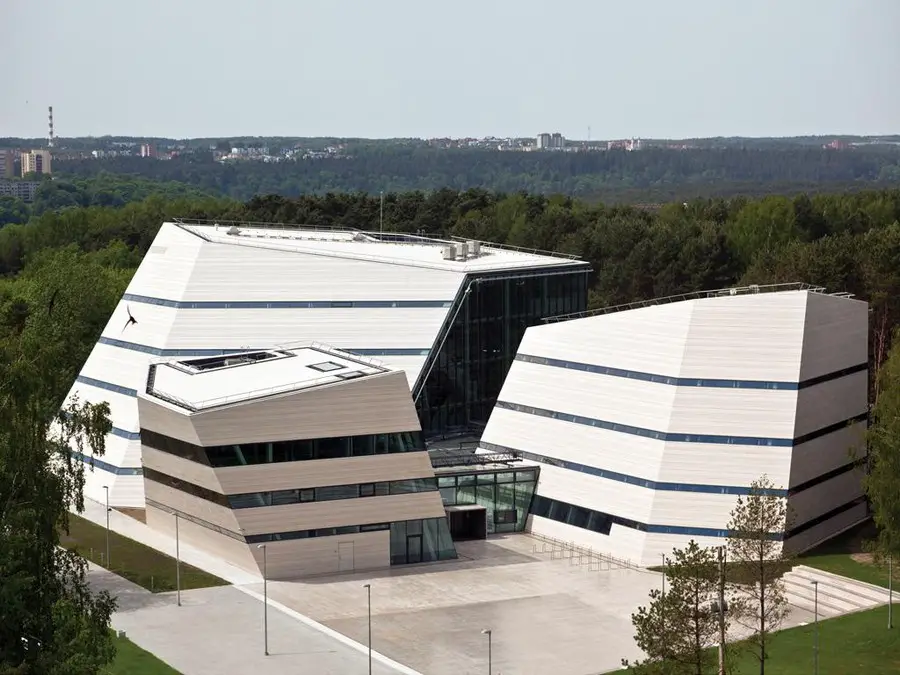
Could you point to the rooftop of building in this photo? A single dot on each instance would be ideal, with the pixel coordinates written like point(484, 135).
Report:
point(201, 383)
point(412, 250)
point(753, 289)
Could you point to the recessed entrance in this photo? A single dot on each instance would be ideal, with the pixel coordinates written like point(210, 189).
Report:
point(467, 522)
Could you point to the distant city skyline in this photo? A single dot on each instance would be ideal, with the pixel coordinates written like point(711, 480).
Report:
point(647, 68)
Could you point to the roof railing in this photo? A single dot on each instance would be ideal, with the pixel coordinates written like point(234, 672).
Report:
point(257, 225)
point(378, 237)
point(696, 295)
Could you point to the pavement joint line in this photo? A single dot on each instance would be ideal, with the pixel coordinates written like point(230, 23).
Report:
point(330, 632)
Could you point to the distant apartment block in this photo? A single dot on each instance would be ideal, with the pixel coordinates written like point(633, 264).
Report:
point(20, 189)
point(36, 161)
point(555, 141)
point(627, 144)
point(149, 150)
point(7, 163)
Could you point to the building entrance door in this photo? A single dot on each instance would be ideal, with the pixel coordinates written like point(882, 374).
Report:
point(345, 557)
point(414, 548)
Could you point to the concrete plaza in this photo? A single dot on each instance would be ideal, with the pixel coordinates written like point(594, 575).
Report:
point(547, 614)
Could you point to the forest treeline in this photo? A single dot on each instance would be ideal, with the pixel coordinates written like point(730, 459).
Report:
point(649, 175)
point(848, 242)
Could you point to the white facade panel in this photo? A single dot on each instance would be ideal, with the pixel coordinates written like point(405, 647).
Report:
point(606, 496)
point(721, 411)
point(168, 264)
point(691, 509)
point(836, 335)
point(609, 340)
point(731, 465)
point(229, 272)
point(125, 491)
point(122, 409)
point(630, 402)
point(622, 542)
point(746, 337)
point(353, 328)
point(636, 456)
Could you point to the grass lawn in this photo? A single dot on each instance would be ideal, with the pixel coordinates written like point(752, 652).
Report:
point(132, 660)
point(140, 564)
point(845, 555)
point(855, 643)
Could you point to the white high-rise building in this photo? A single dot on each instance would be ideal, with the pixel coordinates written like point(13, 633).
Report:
point(649, 421)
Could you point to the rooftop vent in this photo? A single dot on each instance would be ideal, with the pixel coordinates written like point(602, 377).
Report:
point(449, 252)
point(462, 251)
point(233, 230)
point(475, 248)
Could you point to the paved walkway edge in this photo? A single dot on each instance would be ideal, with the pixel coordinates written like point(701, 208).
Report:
point(340, 637)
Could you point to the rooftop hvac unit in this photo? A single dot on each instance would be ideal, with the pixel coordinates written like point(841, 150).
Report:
point(754, 288)
point(462, 251)
point(233, 230)
point(732, 291)
point(449, 252)
point(474, 248)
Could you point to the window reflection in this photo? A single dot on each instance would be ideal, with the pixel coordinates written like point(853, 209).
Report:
point(246, 454)
point(506, 493)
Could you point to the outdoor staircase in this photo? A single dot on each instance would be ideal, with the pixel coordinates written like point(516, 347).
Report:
point(837, 595)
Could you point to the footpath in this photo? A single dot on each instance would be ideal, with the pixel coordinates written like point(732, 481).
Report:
point(221, 630)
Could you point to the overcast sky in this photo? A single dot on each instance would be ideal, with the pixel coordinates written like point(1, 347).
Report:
point(386, 68)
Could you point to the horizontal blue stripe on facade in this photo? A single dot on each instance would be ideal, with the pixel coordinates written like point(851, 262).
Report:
point(108, 386)
point(686, 381)
point(288, 304)
point(106, 466)
point(631, 480)
point(156, 351)
point(646, 433)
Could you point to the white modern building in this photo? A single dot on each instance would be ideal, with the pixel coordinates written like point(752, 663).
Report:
point(305, 454)
point(450, 314)
point(648, 421)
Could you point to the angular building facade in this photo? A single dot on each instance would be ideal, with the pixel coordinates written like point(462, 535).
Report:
point(649, 421)
point(450, 314)
point(311, 453)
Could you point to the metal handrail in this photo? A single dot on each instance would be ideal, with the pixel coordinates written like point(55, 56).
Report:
point(572, 546)
point(343, 354)
point(519, 249)
point(694, 295)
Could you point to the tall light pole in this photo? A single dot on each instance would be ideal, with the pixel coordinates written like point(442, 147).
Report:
point(265, 602)
point(177, 563)
point(890, 591)
point(106, 487)
point(368, 588)
point(381, 213)
point(816, 627)
point(489, 633)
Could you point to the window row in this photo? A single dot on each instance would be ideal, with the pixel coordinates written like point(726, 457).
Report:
point(250, 500)
point(245, 454)
point(487, 478)
point(323, 494)
point(320, 532)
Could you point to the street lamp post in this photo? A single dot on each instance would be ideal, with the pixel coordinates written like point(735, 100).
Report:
point(106, 487)
point(177, 563)
point(381, 213)
point(816, 627)
point(489, 632)
point(890, 591)
point(265, 603)
point(368, 588)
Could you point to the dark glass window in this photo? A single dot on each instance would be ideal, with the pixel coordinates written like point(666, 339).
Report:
point(326, 366)
point(480, 345)
point(246, 454)
point(184, 486)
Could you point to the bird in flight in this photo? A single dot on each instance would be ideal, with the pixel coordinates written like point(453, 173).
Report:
point(131, 319)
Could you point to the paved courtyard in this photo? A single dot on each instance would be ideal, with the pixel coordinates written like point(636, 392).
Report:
point(547, 614)
point(220, 630)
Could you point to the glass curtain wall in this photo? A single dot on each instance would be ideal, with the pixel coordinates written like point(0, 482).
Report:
point(415, 541)
point(506, 495)
point(468, 373)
